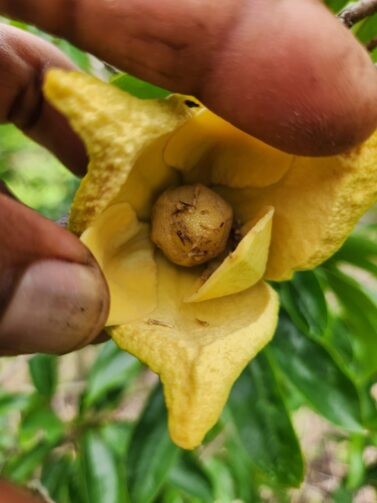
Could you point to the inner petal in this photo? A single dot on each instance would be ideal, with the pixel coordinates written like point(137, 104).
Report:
point(243, 267)
point(210, 150)
point(121, 246)
point(316, 206)
point(149, 177)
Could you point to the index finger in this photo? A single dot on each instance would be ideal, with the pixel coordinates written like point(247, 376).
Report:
point(286, 72)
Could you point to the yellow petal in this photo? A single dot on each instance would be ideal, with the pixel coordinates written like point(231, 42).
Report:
point(242, 268)
point(149, 177)
point(198, 349)
point(123, 249)
point(115, 126)
point(316, 204)
point(210, 150)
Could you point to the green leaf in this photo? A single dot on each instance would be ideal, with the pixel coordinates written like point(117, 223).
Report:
point(151, 453)
point(40, 422)
point(138, 88)
point(312, 370)
point(356, 465)
point(113, 369)
point(21, 467)
point(359, 250)
point(79, 57)
point(102, 476)
point(43, 371)
point(10, 402)
point(241, 468)
point(305, 302)
point(264, 426)
point(336, 5)
point(367, 29)
point(55, 477)
point(225, 490)
point(189, 477)
point(360, 314)
point(117, 436)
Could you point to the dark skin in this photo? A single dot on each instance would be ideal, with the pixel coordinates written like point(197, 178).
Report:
point(302, 83)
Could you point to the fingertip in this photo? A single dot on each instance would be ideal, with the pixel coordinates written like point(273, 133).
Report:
point(294, 77)
point(56, 307)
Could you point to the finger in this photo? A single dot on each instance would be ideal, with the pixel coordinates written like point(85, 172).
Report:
point(12, 494)
point(286, 72)
point(53, 297)
point(24, 59)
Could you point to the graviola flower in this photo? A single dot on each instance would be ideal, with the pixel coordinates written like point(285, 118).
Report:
point(197, 327)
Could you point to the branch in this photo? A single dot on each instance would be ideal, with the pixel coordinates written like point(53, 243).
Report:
point(357, 11)
point(372, 44)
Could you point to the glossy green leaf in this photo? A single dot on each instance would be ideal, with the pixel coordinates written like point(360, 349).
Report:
point(138, 87)
point(104, 480)
point(360, 313)
point(315, 374)
point(43, 371)
point(151, 454)
point(188, 476)
point(264, 426)
point(305, 302)
point(113, 369)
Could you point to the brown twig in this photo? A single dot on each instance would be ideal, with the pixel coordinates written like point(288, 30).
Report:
point(372, 44)
point(357, 11)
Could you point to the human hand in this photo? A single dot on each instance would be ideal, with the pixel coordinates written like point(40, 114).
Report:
point(286, 72)
point(11, 494)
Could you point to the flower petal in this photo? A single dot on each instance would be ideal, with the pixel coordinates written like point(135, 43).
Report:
point(210, 150)
point(198, 349)
point(115, 126)
point(149, 177)
point(316, 206)
point(242, 268)
point(123, 249)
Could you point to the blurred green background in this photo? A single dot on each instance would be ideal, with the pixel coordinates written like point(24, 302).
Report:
point(300, 425)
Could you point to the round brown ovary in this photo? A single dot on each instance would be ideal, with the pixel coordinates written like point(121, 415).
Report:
point(191, 224)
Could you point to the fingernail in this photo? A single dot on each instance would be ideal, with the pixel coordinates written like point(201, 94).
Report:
point(57, 307)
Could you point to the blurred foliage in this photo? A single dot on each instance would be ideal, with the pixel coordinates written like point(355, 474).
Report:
point(115, 447)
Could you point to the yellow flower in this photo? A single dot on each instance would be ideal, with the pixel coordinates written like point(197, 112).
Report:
point(197, 333)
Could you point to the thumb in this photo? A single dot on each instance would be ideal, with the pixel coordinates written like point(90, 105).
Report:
point(53, 297)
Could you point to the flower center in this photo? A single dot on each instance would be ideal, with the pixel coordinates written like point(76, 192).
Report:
point(191, 224)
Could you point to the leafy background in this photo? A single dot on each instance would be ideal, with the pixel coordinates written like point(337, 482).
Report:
point(300, 424)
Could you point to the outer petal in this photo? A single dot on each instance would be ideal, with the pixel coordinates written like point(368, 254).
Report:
point(123, 249)
point(198, 349)
point(210, 150)
point(243, 267)
point(316, 206)
point(115, 126)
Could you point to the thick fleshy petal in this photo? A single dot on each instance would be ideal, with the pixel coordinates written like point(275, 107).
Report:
point(242, 268)
point(124, 251)
point(209, 150)
point(116, 128)
point(316, 204)
point(199, 349)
